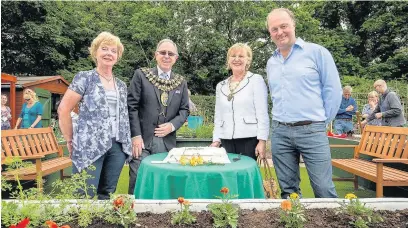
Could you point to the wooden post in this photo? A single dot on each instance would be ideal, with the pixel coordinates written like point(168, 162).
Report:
point(379, 187)
point(358, 115)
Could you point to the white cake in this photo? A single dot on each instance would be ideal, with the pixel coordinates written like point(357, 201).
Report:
point(209, 154)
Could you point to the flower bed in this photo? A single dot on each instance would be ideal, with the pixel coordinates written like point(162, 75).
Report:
point(64, 208)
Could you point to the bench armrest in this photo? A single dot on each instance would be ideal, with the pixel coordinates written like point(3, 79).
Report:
point(391, 160)
point(343, 146)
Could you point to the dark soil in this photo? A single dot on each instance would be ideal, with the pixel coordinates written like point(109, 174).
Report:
point(316, 218)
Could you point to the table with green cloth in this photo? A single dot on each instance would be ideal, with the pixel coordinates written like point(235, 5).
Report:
point(170, 181)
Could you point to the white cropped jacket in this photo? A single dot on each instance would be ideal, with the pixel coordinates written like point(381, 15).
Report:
point(246, 115)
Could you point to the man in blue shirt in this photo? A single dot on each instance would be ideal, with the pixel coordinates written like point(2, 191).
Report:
point(306, 94)
point(344, 118)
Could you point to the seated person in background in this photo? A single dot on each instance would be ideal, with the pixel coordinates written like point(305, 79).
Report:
point(31, 111)
point(343, 122)
point(369, 108)
point(389, 108)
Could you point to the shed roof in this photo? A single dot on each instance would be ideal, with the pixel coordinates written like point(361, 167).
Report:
point(35, 80)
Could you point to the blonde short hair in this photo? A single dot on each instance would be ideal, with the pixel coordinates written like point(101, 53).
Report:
point(288, 11)
point(243, 46)
point(373, 94)
point(31, 93)
point(105, 38)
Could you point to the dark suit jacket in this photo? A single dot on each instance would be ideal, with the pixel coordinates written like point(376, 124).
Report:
point(144, 108)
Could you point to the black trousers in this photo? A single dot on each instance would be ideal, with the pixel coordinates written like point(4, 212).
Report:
point(243, 146)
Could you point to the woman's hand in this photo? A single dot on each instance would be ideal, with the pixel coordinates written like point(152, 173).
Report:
point(70, 148)
point(260, 149)
point(215, 144)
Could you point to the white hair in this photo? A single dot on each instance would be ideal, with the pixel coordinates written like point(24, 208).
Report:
point(348, 88)
point(168, 41)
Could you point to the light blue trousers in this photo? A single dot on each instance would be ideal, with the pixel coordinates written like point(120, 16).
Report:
point(342, 126)
point(310, 141)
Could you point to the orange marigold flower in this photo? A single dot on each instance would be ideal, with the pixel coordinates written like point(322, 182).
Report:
point(180, 200)
point(186, 203)
point(286, 205)
point(118, 202)
point(51, 224)
point(224, 190)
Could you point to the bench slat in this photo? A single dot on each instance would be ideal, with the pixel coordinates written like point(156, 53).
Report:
point(13, 146)
point(37, 144)
point(48, 167)
point(26, 145)
point(368, 170)
point(32, 145)
point(405, 154)
point(48, 142)
point(384, 152)
point(393, 146)
point(380, 145)
point(398, 153)
point(5, 145)
point(53, 142)
point(20, 146)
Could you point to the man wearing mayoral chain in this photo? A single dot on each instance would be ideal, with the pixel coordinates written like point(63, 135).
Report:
point(158, 106)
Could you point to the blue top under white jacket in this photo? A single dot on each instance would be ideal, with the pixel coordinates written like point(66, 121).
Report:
point(246, 114)
point(342, 113)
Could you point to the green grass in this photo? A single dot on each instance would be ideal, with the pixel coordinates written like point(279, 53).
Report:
point(342, 187)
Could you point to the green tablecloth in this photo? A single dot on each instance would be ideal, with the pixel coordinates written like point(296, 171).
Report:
point(170, 181)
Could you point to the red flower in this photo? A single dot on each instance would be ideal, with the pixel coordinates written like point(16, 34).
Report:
point(22, 224)
point(180, 200)
point(224, 190)
point(118, 202)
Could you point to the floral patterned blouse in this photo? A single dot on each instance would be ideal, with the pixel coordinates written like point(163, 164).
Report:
point(5, 118)
point(92, 134)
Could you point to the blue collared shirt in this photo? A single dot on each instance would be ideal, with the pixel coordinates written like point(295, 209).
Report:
point(304, 86)
point(342, 113)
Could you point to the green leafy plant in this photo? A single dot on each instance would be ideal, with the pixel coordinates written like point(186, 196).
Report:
point(225, 213)
point(183, 216)
point(292, 212)
point(204, 131)
point(363, 216)
point(35, 206)
point(121, 211)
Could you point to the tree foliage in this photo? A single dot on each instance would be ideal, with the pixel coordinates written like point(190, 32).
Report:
point(366, 39)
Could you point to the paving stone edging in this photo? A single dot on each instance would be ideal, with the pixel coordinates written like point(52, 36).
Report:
point(162, 206)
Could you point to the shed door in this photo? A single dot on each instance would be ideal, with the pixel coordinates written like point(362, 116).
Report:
point(45, 98)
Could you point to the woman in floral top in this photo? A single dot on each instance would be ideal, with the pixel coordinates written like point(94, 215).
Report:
point(101, 137)
point(369, 108)
point(5, 114)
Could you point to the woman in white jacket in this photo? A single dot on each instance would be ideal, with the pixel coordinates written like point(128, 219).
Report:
point(241, 121)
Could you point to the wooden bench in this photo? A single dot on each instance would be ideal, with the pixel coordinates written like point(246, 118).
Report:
point(385, 145)
point(30, 144)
